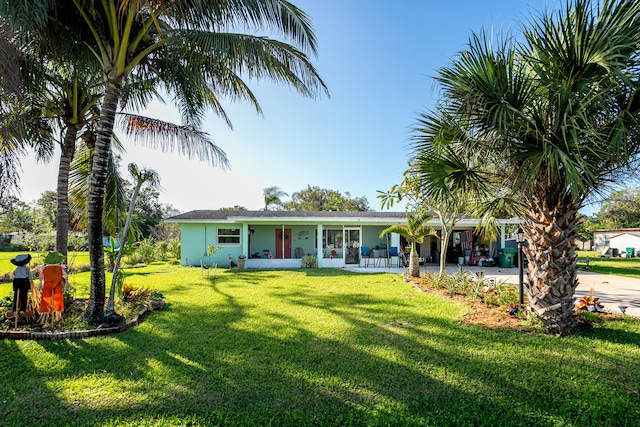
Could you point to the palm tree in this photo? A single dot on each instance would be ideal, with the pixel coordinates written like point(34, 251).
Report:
point(273, 197)
point(414, 232)
point(192, 49)
point(556, 118)
point(141, 177)
point(159, 35)
point(21, 122)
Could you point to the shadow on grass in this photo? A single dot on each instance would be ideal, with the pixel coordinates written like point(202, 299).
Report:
point(262, 348)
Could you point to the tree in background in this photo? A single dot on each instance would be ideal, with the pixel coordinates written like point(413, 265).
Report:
point(273, 197)
point(234, 208)
point(621, 209)
point(319, 199)
point(15, 215)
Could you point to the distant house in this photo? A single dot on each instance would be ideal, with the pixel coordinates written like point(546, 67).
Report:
point(279, 239)
point(617, 241)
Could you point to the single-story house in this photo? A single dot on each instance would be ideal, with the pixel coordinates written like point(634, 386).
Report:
point(279, 239)
point(616, 241)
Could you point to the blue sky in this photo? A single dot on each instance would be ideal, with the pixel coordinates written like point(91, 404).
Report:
point(378, 59)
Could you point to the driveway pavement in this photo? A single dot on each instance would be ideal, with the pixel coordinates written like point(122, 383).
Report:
point(613, 291)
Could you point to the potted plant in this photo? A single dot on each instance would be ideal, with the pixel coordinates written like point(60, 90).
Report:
point(241, 259)
point(590, 303)
point(156, 299)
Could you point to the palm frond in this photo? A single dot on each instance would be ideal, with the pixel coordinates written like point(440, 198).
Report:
point(170, 137)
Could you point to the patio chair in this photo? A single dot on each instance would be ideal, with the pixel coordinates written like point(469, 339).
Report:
point(365, 251)
point(394, 254)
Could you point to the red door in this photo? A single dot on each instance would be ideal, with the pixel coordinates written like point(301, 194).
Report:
point(283, 243)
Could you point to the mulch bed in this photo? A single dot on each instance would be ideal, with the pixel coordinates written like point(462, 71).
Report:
point(489, 316)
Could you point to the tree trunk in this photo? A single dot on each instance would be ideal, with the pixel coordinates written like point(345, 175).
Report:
point(444, 246)
point(123, 240)
point(552, 274)
point(448, 221)
point(62, 213)
point(414, 262)
point(97, 182)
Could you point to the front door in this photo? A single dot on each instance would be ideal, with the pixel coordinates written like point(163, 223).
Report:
point(283, 243)
point(352, 245)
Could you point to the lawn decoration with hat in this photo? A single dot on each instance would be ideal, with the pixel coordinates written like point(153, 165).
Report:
point(53, 278)
point(22, 281)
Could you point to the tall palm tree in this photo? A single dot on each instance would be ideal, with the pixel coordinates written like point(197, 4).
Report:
point(414, 232)
point(556, 118)
point(191, 47)
point(158, 36)
point(273, 197)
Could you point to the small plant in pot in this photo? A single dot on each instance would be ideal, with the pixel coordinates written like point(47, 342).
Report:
point(156, 299)
point(590, 303)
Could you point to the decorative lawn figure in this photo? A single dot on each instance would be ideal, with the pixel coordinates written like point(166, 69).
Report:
point(22, 282)
point(22, 279)
point(53, 279)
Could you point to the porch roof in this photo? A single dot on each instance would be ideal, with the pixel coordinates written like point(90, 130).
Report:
point(313, 217)
point(287, 216)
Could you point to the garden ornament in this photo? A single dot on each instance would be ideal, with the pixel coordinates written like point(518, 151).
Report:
point(22, 281)
point(53, 276)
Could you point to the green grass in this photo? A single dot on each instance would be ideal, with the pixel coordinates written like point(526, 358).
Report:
point(317, 347)
point(628, 267)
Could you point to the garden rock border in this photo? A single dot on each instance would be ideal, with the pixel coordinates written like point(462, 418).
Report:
point(31, 335)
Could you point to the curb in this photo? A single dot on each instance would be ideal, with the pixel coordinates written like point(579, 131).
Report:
point(28, 335)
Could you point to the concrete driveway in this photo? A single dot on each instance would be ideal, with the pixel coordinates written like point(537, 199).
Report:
point(613, 291)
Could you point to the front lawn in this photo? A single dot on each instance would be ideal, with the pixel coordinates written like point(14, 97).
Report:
point(629, 267)
point(317, 347)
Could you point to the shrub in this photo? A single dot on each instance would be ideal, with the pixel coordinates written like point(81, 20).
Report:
point(40, 242)
point(174, 248)
point(508, 295)
point(135, 296)
point(155, 294)
point(147, 251)
point(162, 248)
point(434, 280)
point(309, 261)
point(132, 259)
point(6, 304)
point(73, 268)
point(78, 242)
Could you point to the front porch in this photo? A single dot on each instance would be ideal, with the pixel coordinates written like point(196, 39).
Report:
point(334, 246)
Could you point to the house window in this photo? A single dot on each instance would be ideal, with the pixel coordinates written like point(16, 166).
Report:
point(228, 236)
point(332, 239)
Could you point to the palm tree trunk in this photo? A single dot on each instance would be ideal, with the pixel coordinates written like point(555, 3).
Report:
point(552, 273)
point(62, 213)
point(97, 183)
point(414, 262)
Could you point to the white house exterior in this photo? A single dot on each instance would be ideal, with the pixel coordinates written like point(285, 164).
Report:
point(617, 240)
